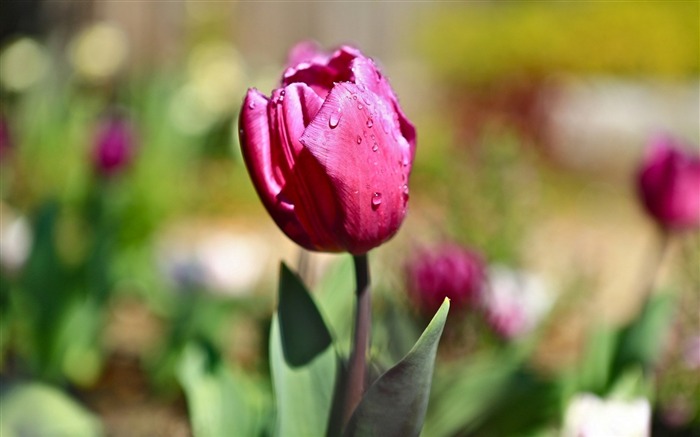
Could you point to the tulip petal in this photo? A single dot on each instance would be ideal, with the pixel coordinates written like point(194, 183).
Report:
point(306, 52)
point(310, 190)
point(321, 72)
point(355, 138)
point(366, 74)
point(254, 132)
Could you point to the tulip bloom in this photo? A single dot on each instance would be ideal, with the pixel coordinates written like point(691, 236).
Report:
point(114, 145)
point(669, 185)
point(330, 152)
point(448, 270)
point(5, 137)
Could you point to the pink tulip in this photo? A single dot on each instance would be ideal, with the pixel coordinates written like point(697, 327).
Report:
point(447, 270)
point(669, 185)
point(5, 137)
point(114, 145)
point(330, 152)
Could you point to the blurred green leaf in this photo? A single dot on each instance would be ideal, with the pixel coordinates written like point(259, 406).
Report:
point(304, 395)
point(642, 339)
point(526, 404)
point(595, 371)
point(221, 402)
point(303, 332)
point(39, 410)
point(464, 393)
point(395, 405)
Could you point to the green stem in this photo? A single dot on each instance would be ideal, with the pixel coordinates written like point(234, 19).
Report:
point(357, 367)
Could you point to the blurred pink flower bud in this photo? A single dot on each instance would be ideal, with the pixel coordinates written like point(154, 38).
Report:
point(5, 137)
point(330, 152)
point(669, 184)
point(514, 302)
point(114, 145)
point(447, 270)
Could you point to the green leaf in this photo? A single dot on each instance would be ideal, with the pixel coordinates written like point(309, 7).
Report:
point(220, 402)
point(642, 339)
point(303, 395)
point(595, 372)
point(303, 332)
point(34, 409)
point(463, 393)
point(395, 405)
point(335, 295)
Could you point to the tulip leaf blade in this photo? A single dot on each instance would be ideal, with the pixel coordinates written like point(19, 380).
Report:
point(303, 332)
point(303, 395)
point(395, 404)
point(220, 400)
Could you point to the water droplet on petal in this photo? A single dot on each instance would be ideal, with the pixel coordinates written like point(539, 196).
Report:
point(359, 139)
point(376, 200)
point(375, 147)
point(283, 92)
point(367, 100)
point(251, 105)
point(404, 191)
point(370, 122)
point(359, 106)
point(334, 119)
point(354, 97)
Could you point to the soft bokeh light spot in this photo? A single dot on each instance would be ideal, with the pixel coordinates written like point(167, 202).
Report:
point(99, 51)
point(22, 64)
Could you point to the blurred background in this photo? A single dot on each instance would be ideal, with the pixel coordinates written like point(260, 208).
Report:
point(139, 268)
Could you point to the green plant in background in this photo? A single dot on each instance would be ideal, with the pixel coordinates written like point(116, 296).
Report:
point(492, 42)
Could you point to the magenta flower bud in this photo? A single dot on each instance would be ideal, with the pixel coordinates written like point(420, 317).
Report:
point(5, 137)
point(447, 270)
point(330, 152)
point(669, 185)
point(114, 145)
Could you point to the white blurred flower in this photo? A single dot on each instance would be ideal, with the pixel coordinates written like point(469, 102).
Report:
point(99, 51)
point(515, 302)
point(220, 262)
point(15, 241)
point(22, 64)
point(590, 416)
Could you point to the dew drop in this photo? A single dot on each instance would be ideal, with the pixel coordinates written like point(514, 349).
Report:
point(354, 97)
point(367, 100)
point(251, 105)
point(359, 106)
point(404, 192)
point(376, 200)
point(370, 122)
point(375, 147)
point(283, 92)
point(334, 119)
point(359, 139)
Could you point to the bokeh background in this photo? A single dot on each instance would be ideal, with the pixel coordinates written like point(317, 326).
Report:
point(532, 119)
